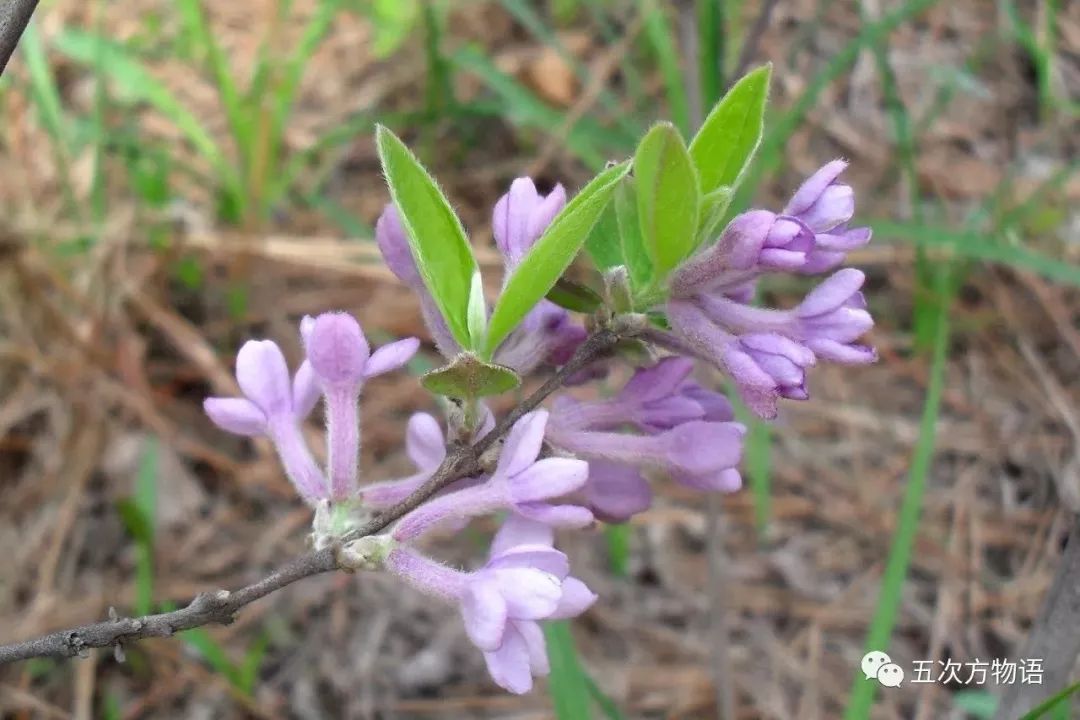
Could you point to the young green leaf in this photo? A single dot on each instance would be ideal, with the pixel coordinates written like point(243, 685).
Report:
point(637, 257)
point(477, 318)
point(714, 207)
point(667, 197)
point(552, 254)
point(470, 377)
point(436, 236)
point(603, 243)
point(729, 137)
point(574, 296)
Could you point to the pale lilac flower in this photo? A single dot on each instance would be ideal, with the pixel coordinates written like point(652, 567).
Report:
point(828, 321)
point(546, 334)
point(521, 216)
point(520, 483)
point(342, 360)
point(615, 492)
point(822, 201)
point(273, 406)
point(656, 400)
point(706, 453)
point(753, 242)
point(524, 581)
point(650, 400)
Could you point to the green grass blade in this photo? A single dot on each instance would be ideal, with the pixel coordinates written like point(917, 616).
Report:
point(662, 39)
point(46, 97)
point(1059, 703)
point(711, 38)
point(976, 246)
point(198, 29)
point(896, 567)
point(135, 82)
point(293, 72)
point(617, 537)
point(567, 682)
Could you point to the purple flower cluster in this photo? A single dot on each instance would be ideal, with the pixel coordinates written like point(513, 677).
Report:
point(764, 351)
point(584, 459)
point(339, 362)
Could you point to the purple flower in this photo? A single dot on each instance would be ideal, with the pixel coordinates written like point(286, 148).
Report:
point(275, 407)
point(753, 242)
point(521, 216)
point(651, 400)
point(341, 361)
point(520, 483)
point(703, 452)
point(766, 352)
point(822, 202)
point(546, 334)
point(394, 246)
point(615, 492)
point(524, 581)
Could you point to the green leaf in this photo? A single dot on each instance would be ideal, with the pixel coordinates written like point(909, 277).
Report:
point(714, 207)
point(603, 244)
point(634, 252)
point(436, 236)
point(569, 688)
point(574, 296)
point(667, 197)
point(470, 377)
point(732, 132)
point(549, 257)
point(477, 318)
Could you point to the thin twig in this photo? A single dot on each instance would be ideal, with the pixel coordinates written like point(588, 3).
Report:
point(14, 15)
point(221, 606)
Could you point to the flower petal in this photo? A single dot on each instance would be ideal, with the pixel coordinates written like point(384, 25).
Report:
point(236, 415)
point(563, 516)
point(576, 599)
point(484, 611)
point(812, 188)
point(424, 442)
point(534, 641)
point(833, 292)
point(548, 478)
point(537, 557)
point(530, 593)
point(264, 376)
point(522, 444)
point(517, 530)
point(305, 390)
point(391, 357)
point(616, 492)
point(337, 349)
point(510, 665)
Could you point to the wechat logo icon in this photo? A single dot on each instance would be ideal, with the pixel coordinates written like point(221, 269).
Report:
point(876, 665)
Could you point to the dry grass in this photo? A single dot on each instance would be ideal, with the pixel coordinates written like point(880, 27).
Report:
point(101, 349)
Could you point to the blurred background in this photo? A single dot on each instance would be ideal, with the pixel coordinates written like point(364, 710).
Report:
point(181, 176)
